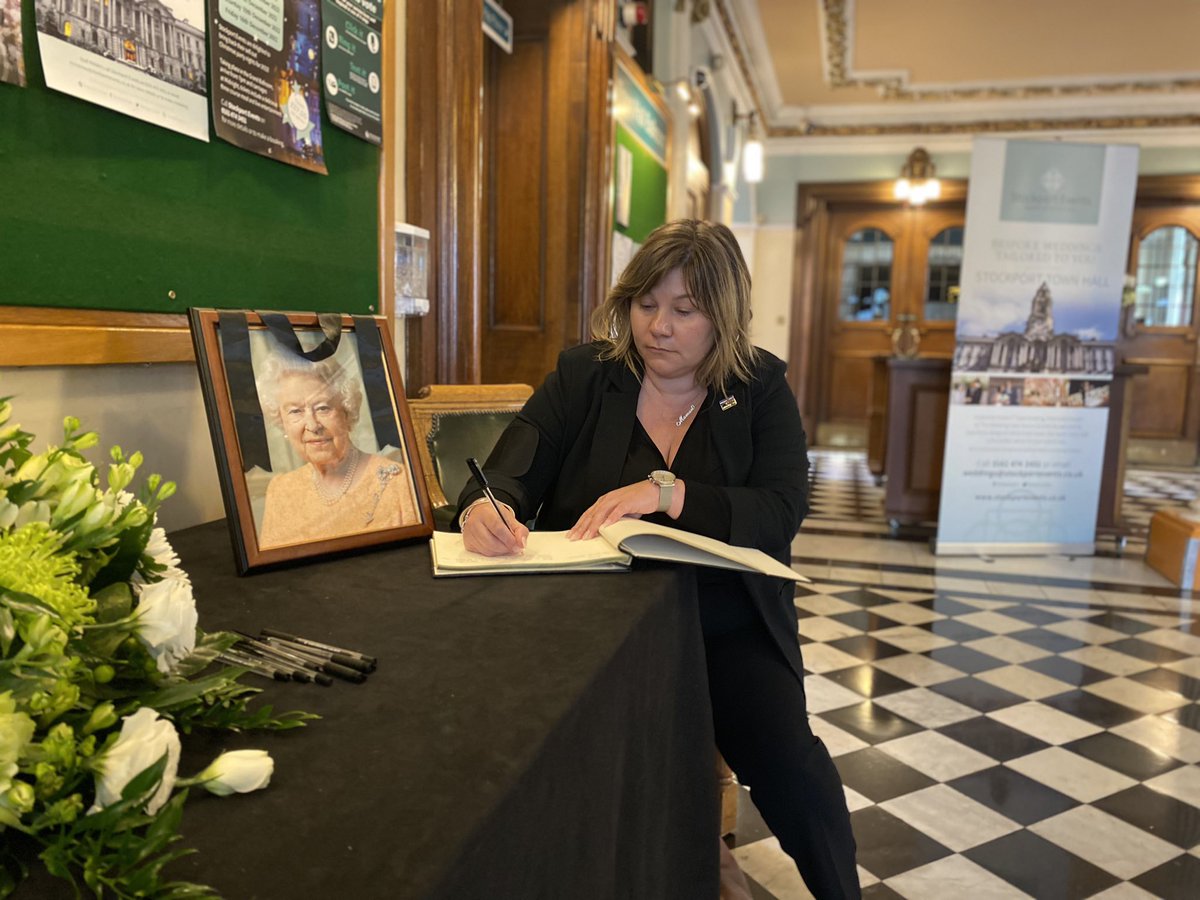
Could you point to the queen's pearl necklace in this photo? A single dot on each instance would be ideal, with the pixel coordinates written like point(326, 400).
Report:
point(331, 498)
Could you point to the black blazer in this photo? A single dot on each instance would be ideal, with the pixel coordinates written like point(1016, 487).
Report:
point(568, 446)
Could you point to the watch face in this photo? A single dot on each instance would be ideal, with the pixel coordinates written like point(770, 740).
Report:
point(662, 477)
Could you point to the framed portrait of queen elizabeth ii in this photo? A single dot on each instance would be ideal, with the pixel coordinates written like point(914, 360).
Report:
point(312, 435)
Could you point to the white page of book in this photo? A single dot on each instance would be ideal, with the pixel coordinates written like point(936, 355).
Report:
point(544, 549)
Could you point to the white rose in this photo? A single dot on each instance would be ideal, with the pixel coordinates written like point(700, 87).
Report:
point(238, 772)
point(144, 739)
point(166, 621)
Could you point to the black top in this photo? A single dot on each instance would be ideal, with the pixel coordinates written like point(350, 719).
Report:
point(569, 445)
point(725, 604)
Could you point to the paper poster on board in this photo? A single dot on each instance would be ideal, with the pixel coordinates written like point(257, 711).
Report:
point(1046, 240)
point(12, 46)
point(352, 60)
point(266, 71)
point(145, 60)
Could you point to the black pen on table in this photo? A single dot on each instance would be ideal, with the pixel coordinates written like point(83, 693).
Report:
point(473, 465)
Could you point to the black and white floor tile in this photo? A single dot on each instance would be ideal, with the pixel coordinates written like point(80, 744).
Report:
point(1004, 728)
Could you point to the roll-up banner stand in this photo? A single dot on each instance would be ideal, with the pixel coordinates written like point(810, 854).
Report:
point(1047, 235)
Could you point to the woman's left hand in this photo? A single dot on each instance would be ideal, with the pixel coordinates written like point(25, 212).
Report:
point(635, 500)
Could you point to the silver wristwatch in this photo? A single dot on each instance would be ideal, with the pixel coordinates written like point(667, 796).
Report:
point(666, 487)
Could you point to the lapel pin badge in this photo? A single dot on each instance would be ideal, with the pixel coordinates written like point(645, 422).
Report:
point(728, 403)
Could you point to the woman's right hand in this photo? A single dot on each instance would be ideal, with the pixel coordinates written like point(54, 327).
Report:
point(486, 533)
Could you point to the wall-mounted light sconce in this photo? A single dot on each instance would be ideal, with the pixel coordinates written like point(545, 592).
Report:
point(918, 182)
point(688, 96)
point(752, 147)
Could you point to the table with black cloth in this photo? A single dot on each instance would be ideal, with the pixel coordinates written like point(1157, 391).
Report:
point(527, 736)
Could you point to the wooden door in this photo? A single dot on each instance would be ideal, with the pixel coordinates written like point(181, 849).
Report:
point(863, 280)
point(1160, 328)
point(885, 268)
point(545, 137)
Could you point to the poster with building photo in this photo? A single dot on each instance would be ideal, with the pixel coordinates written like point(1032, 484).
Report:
point(352, 60)
point(1046, 239)
point(266, 68)
point(12, 47)
point(143, 59)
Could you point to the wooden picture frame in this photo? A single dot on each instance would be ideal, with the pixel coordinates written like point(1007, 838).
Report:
point(314, 444)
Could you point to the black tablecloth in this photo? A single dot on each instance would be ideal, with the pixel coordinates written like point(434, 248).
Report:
point(538, 736)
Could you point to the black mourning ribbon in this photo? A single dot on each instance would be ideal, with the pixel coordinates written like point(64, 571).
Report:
point(247, 408)
point(375, 382)
point(243, 394)
point(281, 327)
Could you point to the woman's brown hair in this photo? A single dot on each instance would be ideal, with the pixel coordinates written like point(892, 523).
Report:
point(718, 281)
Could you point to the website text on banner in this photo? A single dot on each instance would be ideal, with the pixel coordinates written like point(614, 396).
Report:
point(1047, 235)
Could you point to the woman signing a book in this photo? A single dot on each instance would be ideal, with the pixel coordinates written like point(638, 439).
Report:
point(671, 414)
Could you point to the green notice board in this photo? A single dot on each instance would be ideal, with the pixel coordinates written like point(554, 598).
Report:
point(101, 211)
point(648, 199)
point(640, 181)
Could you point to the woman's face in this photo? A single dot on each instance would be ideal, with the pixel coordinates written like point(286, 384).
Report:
point(313, 418)
point(671, 334)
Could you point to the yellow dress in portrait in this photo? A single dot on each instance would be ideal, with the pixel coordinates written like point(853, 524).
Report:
point(381, 496)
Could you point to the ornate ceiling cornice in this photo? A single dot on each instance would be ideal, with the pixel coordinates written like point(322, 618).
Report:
point(733, 33)
point(892, 86)
point(988, 126)
point(895, 89)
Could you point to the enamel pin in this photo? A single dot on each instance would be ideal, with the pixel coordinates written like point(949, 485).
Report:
point(728, 403)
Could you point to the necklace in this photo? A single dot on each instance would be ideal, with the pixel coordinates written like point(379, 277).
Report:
point(679, 422)
point(326, 496)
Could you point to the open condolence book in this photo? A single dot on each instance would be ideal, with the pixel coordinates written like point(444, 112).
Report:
point(550, 551)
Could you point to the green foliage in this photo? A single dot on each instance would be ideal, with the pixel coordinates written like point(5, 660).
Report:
point(77, 562)
point(121, 851)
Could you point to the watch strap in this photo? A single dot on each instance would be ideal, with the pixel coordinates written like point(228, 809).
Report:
point(666, 490)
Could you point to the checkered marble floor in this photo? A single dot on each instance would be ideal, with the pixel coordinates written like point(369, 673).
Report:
point(1004, 728)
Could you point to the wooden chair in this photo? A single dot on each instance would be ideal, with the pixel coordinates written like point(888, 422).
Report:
point(452, 422)
point(729, 797)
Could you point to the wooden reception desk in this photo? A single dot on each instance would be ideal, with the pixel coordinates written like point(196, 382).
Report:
point(907, 407)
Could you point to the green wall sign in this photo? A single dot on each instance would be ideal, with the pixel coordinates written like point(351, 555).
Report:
point(640, 133)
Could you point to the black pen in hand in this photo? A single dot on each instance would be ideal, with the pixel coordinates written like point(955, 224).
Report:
point(473, 465)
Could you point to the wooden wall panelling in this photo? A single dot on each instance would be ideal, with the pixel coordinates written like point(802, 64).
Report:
point(596, 235)
point(443, 192)
point(1161, 398)
point(34, 336)
point(516, 260)
point(877, 402)
point(930, 410)
point(851, 372)
point(541, 235)
point(808, 316)
point(1109, 518)
point(392, 105)
point(918, 405)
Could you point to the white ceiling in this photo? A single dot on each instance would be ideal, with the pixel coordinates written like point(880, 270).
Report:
point(876, 68)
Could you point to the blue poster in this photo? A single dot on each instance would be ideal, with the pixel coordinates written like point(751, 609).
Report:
point(266, 58)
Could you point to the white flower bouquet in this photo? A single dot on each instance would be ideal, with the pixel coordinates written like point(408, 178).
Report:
point(101, 667)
